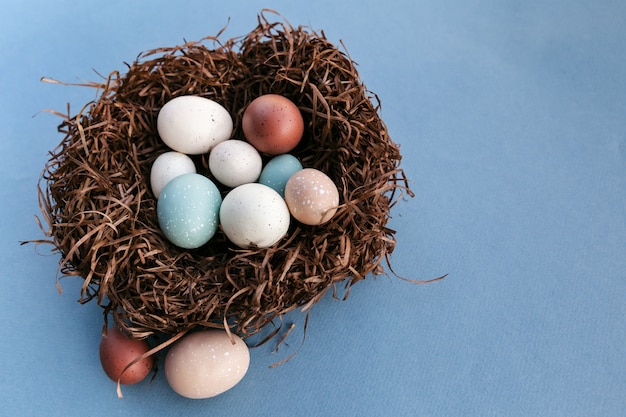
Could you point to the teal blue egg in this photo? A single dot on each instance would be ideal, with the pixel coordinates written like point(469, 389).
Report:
point(188, 210)
point(278, 171)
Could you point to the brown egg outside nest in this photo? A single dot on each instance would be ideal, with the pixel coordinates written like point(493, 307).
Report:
point(117, 351)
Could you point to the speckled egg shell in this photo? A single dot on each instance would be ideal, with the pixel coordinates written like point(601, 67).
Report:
point(312, 197)
point(206, 363)
point(188, 210)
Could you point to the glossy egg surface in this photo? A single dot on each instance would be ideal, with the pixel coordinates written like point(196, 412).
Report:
point(273, 124)
point(206, 363)
point(188, 210)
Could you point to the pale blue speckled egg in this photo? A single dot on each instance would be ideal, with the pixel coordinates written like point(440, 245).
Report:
point(278, 171)
point(188, 210)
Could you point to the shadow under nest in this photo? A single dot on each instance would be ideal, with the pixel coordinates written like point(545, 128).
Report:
point(101, 214)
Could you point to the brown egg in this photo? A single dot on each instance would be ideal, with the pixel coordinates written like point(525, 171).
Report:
point(311, 196)
point(117, 351)
point(272, 124)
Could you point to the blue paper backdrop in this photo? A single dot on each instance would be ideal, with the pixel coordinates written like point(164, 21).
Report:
point(512, 122)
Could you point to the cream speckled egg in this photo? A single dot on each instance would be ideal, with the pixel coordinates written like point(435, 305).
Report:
point(206, 363)
point(278, 170)
point(193, 125)
point(254, 215)
point(312, 197)
point(235, 162)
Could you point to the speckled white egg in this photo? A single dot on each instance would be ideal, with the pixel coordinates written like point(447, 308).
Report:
point(235, 162)
point(312, 197)
point(167, 167)
point(206, 363)
point(254, 215)
point(193, 125)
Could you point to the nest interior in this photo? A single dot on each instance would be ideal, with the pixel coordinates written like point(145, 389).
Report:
point(101, 215)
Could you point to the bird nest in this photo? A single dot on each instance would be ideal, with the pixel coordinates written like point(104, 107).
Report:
point(101, 214)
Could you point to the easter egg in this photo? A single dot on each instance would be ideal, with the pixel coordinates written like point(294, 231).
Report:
point(235, 162)
point(168, 166)
point(278, 170)
point(193, 125)
point(206, 363)
point(188, 210)
point(254, 215)
point(272, 124)
point(117, 351)
point(312, 197)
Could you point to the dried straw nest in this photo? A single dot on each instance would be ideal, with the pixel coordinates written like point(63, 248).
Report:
point(101, 213)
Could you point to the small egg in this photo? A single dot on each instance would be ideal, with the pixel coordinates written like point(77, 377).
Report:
point(312, 197)
point(167, 167)
point(188, 210)
point(278, 170)
point(254, 215)
point(117, 351)
point(272, 124)
point(206, 363)
point(193, 125)
point(235, 162)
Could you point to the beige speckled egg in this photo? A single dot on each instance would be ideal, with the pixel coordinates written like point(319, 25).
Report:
point(206, 363)
point(311, 196)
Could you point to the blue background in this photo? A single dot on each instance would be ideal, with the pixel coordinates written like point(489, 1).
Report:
point(511, 117)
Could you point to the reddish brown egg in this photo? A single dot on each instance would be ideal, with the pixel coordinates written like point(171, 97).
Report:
point(272, 124)
point(117, 351)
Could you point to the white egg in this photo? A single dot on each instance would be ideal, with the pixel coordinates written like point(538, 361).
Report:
point(254, 215)
point(167, 167)
point(235, 162)
point(206, 363)
point(193, 125)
